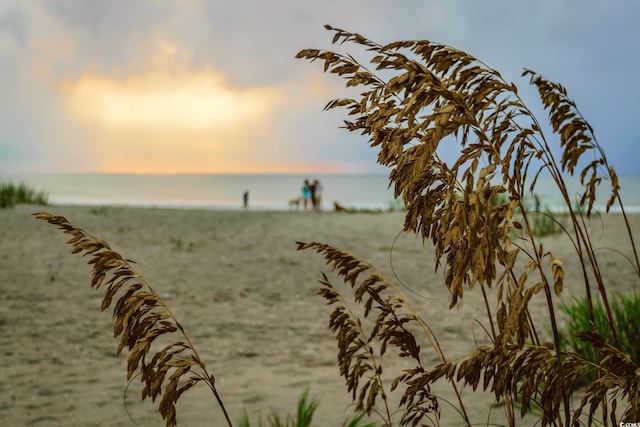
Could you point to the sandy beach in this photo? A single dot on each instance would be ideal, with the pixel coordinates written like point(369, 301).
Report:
point(246, 297)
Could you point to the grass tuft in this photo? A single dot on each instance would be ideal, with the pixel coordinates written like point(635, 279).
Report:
point(303, 417)
point(626, 317)
point(13, 194)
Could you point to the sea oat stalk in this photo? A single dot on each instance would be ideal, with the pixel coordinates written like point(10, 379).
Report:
point(140, 317)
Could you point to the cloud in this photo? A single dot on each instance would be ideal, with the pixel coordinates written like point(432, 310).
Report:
point(157, 102)
point(175, 119)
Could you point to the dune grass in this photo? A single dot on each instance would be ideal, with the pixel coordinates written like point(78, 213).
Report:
point(13, 194)
point(413, 98)
point(302, 418)
point(626, 315)
point(160, 350)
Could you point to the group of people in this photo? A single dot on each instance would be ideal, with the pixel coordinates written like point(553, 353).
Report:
point(312, 195)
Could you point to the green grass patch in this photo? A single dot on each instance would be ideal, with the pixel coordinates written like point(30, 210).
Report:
point(546, 223)
point(13, 194)
point(625, 310)
point(303, 417)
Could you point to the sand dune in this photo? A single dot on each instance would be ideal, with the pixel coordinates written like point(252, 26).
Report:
point(244, 294)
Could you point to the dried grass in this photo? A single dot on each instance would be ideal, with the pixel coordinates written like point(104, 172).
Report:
point(437, 95)
point(141, 319)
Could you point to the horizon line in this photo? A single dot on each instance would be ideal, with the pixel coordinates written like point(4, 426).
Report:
point(318, 173)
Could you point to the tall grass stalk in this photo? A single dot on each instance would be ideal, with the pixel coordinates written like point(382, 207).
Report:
point(160, 350)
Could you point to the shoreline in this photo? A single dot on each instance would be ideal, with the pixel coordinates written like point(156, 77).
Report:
point(267, 192)
point(244, 294)
point(327, 208)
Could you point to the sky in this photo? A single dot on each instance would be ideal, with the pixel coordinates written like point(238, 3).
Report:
point(207, 86)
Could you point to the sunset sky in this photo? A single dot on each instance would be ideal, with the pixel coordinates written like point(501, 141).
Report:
point(204, 86)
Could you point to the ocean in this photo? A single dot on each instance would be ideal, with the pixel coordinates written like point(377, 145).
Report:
point(266, 192)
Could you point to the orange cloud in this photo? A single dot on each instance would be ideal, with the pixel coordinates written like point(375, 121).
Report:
point(170, 121)
point(158, 102)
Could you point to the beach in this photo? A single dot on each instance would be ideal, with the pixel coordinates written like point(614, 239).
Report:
point(246, 297)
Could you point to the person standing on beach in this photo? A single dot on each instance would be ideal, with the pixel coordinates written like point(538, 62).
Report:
point(317, 195)
point(245, 199)
point(312, 195)
point(306, 193)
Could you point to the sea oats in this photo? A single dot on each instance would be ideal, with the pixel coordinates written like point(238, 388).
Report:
point(420, 98)
point(140, 319)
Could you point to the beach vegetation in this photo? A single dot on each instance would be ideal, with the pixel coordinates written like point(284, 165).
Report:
point(303, 416)
point(416, 99)
point(12, 194)
point(545, 222)
point(177, 244)
point(396, 205)
point(99, 210)
point(160, 352)
point(625, 309)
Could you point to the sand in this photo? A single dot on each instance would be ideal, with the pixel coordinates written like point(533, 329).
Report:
point(244, 294)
